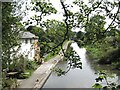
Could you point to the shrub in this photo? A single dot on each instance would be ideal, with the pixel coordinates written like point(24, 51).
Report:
point(31, 65)
point(18, 64)
point(7, 83)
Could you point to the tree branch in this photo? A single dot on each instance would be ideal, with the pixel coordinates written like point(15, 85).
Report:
point(93, 10)
point(67, 27)
point(113, 18)
point(110, 23)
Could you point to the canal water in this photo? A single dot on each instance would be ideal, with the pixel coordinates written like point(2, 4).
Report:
point(76, 78)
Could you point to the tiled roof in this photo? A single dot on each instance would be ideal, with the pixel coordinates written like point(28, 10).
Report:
point(27, 35)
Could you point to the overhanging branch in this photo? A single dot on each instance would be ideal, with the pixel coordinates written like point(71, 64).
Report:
point(113, 18)
point(67, 27)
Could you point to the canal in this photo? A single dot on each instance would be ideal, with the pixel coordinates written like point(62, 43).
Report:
point(77, 78)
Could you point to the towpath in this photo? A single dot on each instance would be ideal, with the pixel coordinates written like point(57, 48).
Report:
point(39, 76)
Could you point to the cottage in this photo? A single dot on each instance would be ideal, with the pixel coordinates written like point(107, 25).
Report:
point(29, 46)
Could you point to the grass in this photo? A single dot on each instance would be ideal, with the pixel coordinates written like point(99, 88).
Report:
point(49, 56)
point(53, 54)
point(26, 74)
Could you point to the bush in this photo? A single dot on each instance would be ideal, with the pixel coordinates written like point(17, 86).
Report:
point(7, 83)
point(110, 57)
point(18, 64)
point(31, 65)
point(21, 65)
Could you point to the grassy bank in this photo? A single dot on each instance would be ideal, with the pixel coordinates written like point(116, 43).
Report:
point(54, 53)
point(107, 55)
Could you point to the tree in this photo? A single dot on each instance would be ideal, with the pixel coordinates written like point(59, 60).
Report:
point(91, 17)
point(10, 32)
point(42, 38)
point(53, 34)
point(94, 29)
point(10, 39)
point(81, 19)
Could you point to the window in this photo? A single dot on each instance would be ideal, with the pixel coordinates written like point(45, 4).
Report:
point(31, 41)
point(26, 41)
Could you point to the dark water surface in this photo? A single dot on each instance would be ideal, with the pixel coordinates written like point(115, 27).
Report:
point(76, 78)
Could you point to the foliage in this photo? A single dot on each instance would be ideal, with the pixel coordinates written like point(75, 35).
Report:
point(9, 33)
point(100, 50)
point(24, 75)
point(73, 60)
point(90, 17)
point(7, 82)
point(111, 57)
point(43, 8)
point(22, 66)
point(18, 64)
point(105, 51)
point(51, 54)
point(10, 39)
point(31, 65)
point(94, 28)
point(117, 65)
point(50, 37)
point(27, 68)
point(109, 85)
point(59, 71)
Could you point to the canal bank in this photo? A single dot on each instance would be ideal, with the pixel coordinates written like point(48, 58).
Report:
point(77, 78)
point(39, 77)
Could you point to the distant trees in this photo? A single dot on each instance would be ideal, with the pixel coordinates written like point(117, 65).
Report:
point(50, 37)
point(90, 17)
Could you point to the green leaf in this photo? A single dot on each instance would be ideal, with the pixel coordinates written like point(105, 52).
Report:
point(97, 85)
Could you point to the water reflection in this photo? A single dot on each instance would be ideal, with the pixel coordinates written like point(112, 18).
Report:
point(75, 78)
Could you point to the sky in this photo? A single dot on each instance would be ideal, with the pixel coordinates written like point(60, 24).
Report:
point(59, 15)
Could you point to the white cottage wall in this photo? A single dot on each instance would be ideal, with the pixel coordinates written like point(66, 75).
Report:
point(27, 48)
